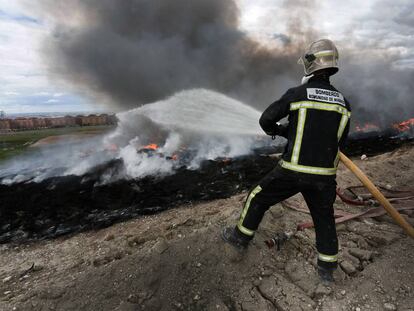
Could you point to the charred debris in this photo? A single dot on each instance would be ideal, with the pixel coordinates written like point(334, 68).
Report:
point(67, 204)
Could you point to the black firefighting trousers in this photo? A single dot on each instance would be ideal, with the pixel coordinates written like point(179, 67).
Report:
point(319, 194)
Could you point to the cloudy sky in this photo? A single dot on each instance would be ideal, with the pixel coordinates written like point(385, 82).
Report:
point(371, 28)
point(383, 27)
point(24, 83)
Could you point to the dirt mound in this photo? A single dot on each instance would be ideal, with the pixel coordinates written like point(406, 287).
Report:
point(176, 261)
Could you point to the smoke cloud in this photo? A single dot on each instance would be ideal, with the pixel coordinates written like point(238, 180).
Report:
point(134, 52)
point(155, 139)
point(379, 92)
point(378, 63)
point(139, 51)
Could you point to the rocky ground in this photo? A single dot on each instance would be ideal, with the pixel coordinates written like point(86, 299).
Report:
point(176, 260)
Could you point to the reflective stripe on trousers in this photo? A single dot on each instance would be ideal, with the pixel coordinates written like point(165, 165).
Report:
point(252, 194)
point(328, 258)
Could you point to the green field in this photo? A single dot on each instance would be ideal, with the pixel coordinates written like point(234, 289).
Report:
point(15, 143)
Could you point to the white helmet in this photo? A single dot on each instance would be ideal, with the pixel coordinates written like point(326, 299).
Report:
point(319, 55)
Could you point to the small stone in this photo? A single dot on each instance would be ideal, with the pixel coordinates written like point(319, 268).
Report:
point(256, 282)
point(343, 292)
point(361, 253)
point(196, 297)
point(38, 267)
point(361, 242)
point(322, 290)
point(350, 244)
point(389, 306)
point(364, 157)
point(133, 298)
point(6, 279)
point(139, 298)
point(348, 267)
point(99, 261)
point(160, 246)
point(198, 265)
point(341, 228)
point(109, 237)
point(7, 292)
point(135, 241)
point(277, 211)
point(357, 309)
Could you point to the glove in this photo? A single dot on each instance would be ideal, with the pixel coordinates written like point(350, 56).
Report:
point(284, 130)
point(279, 130)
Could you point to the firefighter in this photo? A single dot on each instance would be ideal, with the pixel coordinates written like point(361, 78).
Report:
point(318, 125)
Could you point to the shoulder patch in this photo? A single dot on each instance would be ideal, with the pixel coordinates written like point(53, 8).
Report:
point(327, 96)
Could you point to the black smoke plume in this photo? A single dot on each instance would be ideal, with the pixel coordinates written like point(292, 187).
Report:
point(133, 52)
point(139, 51)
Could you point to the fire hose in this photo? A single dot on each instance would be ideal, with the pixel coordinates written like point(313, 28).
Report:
point(377, 194)
point(281, 238)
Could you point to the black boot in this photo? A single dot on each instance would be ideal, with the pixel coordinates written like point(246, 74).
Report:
point(234, 238)
point(326, 275)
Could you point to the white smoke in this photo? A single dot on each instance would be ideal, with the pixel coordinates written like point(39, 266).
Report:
point(187, 128)
point(141, 164)
point(68, 157)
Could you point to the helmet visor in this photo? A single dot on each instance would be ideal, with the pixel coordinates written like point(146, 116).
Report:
point(306, 61)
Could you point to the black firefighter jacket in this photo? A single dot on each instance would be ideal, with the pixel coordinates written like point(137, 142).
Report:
point(318, 126)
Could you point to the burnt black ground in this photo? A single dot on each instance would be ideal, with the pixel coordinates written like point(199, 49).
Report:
point(376, 142)
point(63, 205)
point(69, 204)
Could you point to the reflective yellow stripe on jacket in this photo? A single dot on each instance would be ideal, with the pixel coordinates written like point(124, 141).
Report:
point(302, 106)
point(308, 169)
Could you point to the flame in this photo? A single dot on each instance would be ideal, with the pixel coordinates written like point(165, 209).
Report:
point(226, 160)
point(151, 147)
point(405, 125)
point(367, 127)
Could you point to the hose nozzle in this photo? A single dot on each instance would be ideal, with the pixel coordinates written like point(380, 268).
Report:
point(278, 240)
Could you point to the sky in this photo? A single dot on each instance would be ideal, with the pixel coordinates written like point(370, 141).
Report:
point(24, 83)
point(375, 26)
point(383, 28)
